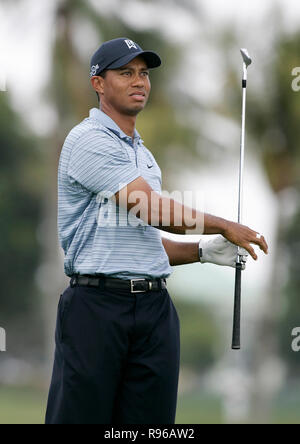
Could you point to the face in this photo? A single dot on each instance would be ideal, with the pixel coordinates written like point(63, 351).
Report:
point(126, 89)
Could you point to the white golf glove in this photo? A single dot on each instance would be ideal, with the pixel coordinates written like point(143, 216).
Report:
point(220, 251)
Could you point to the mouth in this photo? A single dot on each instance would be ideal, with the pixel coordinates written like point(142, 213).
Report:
point(138, 95)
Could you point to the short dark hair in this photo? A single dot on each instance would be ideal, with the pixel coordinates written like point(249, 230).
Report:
point(101, 74)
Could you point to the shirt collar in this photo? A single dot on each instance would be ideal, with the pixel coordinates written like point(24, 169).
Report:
point(109, 123)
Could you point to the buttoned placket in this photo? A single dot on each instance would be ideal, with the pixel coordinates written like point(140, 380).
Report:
point(134, 144)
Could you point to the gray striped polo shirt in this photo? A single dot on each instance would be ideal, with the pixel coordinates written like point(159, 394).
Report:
point(97, 236)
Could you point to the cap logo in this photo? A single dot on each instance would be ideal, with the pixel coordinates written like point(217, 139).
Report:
point(130, 44)
point(94, 69)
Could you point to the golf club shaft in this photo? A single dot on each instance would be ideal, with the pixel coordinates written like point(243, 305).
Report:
point(242, 156)
point(236, 341)
point(236, 334)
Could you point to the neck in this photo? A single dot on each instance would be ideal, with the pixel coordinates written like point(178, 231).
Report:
point(126, 123)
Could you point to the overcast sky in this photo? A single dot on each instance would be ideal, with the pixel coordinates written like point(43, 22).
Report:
point(26, 33)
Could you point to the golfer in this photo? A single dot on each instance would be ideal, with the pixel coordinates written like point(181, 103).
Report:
point(117, 334)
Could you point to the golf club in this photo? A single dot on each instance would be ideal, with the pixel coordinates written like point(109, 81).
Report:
point(240, 264)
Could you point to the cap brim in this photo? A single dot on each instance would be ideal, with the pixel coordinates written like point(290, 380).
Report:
point(151, 58)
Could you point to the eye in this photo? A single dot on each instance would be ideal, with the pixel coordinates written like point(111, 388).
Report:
point(125, 73)
point(145, 73)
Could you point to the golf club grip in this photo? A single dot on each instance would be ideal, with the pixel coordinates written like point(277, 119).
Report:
point(236, 334)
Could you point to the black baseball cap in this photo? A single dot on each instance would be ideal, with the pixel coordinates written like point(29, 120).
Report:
point(118, 52)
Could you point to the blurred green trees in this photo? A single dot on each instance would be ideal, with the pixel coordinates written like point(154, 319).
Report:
point(199, 335)
point(275, 122)
point(20, 210)
point(291, 316)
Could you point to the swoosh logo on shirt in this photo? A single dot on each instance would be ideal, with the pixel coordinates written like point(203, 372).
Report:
point(149, 166)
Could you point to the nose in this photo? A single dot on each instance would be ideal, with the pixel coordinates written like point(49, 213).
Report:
point(138, 80)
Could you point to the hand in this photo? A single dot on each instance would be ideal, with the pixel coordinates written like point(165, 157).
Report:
point(220, 251)
point(243, 236)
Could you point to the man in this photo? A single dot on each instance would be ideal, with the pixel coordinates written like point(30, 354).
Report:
point(117, 335)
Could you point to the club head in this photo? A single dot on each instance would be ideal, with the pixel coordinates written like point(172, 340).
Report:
point(247, 59)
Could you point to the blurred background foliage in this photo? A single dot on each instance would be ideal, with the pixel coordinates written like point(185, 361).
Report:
point(30, 261)
point(20, 207)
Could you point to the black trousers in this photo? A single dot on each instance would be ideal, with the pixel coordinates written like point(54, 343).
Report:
point(116, 358)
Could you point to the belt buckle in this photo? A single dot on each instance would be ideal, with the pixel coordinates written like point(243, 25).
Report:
point(73, 281)
point(132, 284)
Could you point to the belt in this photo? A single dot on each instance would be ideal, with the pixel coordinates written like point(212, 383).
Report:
point(133, 285)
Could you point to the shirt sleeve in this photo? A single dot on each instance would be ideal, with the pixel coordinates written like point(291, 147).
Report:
point(100, 164)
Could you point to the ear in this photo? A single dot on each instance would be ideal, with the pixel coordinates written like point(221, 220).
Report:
point(98, 84)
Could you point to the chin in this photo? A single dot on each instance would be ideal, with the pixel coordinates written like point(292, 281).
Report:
point(134, 111)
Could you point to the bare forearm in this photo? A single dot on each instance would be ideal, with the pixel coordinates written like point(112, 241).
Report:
point(168, 215)
point(164, 213)
point(181, 253)
point(214, 224)
point(179, 219)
